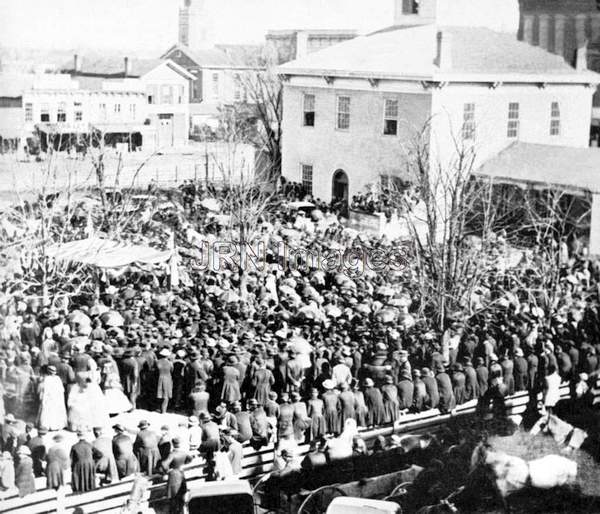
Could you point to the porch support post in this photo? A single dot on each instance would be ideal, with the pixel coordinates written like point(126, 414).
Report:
point(594, 244)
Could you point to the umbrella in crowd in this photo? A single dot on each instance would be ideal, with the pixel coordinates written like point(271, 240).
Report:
point(78, 317)
point(112, 319)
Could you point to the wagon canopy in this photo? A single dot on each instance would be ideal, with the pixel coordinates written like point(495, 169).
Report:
point(106, 253)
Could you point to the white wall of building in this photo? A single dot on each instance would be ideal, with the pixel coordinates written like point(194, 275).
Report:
point(365, 153)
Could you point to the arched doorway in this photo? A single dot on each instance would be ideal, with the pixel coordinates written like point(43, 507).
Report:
point(339, 190)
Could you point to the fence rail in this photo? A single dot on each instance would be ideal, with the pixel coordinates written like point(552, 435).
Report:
point(110, 498)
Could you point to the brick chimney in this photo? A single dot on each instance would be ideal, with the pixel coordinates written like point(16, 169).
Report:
point(444, 51)
point(76, 63)
point(126, 66)
point(581, 62)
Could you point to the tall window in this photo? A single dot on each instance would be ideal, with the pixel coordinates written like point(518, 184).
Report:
point(215, 85)
point(468, 128)
point(343, 112)
point(45, 113)
point(410, 6)
point(309, 110)
point(390, 115)
point(117, 107)
point(132, 111)
point(78, 111)
point(180, 91)
point(61, 115)
point(512, 129)
point(102, 111)
point(307, 178)
point(555, 119)
point(28, 112)
point(166, 94)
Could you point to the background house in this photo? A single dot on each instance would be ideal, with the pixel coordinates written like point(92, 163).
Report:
point(164, 83)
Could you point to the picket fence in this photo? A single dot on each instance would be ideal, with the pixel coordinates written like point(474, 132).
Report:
point(110, 498)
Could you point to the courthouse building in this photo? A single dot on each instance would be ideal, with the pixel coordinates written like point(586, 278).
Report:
point(352, 111)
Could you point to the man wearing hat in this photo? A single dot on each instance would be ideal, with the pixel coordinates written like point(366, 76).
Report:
point(38, 451)
point(57, 463)
point(176, 488)
point(244, 427)
point(520, 370)
point(122, 447)
point(24, 478)
point(105, 465)
point(83, 467)
point(10, 433)
point(211, 441)
point(130, 376)
point(406, 390)
point(176, 458)
point(471, 384)
point(431, 387)
point(419, 392)
point(331, 407)
point(145, 448)
point(164, 388)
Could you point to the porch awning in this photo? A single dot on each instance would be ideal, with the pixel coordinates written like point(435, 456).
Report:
point(106, 253)
point(122, 128)
point(63, 128)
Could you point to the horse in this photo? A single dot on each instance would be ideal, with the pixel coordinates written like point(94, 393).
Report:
point(563, 433)
point(509, 474)
point(341, 447)
point(411, 442)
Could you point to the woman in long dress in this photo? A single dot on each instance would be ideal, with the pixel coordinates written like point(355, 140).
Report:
point(87, 407)
point(53, 412)
point(116, 400)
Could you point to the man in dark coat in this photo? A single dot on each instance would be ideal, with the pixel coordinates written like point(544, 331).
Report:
point(38, 451)
point(130, 376)
point(211, 441)
point(145, 448)
point(57, 463)
point(483, 375)
point(176, 458)
point(259, 424)
point(105, 465)
point(125, 459)
point(433, 393)
point(447, 400)
point(520, 371)
point(83, 466)
point(420, 392)
point(244, 428)
point(471, 384)
point(406, 390)
point(176, 490)
point(532, 371)
point(24, 479)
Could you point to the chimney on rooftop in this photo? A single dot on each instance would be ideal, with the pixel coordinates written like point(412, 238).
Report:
point(581, 62)
point(444, 50)
point(76, 63)
point(127, 66)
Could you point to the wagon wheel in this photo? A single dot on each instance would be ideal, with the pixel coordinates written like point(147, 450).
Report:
point(401, 489)
point(318, 501)
point(258, 493)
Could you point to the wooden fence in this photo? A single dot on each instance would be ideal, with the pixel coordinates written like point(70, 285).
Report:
point(110, 498)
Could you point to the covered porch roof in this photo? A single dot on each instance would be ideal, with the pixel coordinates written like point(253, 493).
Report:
point(576, 170)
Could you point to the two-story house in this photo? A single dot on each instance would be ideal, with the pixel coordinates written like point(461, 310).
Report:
point(163, 84)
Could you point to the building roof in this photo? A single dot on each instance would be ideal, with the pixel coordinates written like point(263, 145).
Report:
point(565, 167)
point(477, 54)
point(112, 66)
point(221, 56)
point(13, 85)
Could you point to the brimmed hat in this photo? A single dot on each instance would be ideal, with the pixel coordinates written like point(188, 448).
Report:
point(118, 428)
point(143, 424)
point(328, 384)
point(165, 352)
point(23, 450)
point(9, 418)
point(369, 382)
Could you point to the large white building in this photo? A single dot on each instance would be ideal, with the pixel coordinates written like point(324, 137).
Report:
point(353, 110)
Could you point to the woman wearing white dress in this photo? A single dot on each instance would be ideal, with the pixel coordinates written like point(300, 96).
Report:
point(52, 413)
point(552, 383)
point(87, 407)
point(116, 400)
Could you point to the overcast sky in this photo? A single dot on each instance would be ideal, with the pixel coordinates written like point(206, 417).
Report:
point(147, 25)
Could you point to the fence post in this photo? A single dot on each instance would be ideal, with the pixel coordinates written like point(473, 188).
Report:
point(176, 174)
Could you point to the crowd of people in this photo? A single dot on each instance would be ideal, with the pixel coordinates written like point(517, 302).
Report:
point(253, 356)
